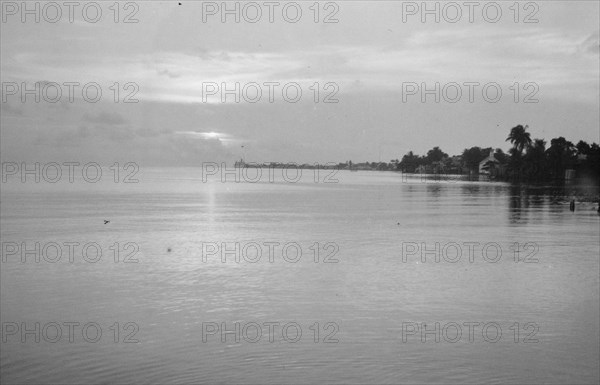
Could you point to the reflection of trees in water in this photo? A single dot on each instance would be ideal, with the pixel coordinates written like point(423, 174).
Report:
point(483, 189)
point(516, 203)
point(409, 190)
point(526, 203)
point(530, 203)
point(470, 189)
point(564, 194)
point(434, 190)
point(537, 200)
point(538, 203)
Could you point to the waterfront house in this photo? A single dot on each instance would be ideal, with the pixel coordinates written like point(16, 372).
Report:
point(485, 167)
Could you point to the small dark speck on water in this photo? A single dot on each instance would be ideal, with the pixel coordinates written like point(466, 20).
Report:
point(169, 250)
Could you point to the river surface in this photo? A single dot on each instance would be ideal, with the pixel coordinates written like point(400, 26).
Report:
point(373, 277)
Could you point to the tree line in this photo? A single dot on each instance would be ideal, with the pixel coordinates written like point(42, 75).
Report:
point(528, 159)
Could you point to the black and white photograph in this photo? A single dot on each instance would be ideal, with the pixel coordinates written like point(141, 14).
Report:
point(300, 192)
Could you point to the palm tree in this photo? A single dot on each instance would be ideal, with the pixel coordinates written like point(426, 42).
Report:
point(519, 138)
point(561, 155)
point(515, 164)
point(535, 160)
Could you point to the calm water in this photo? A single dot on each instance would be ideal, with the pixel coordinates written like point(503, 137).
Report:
point(367, 296)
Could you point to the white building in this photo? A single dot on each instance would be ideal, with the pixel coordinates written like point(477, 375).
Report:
point(490, 158)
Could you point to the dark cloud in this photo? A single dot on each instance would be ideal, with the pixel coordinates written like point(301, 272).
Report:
point(195, 149)
point(105, 118)
point(116, 134)
point(591, 44)
point(205, 54)
point(8, 110)
point(42, 83)
point(165, 72)
point(86, 135)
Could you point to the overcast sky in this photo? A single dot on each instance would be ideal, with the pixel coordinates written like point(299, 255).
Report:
point(369, 56)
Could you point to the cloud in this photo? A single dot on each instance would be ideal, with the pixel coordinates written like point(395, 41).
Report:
point(369, 54)
point(591, 45)
point(470, 53)
point(105, 118)
point(168, 73)
point(209, 136)
point(8, 110)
